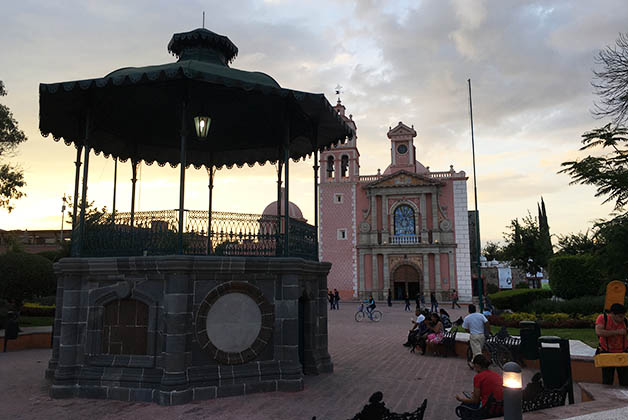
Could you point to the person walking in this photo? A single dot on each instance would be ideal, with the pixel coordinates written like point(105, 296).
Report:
point(475, 323)
point(611, 329)
point(406, 298)
point(389, 298)
point(433, 303)
point(336, 299)
point(454, 299)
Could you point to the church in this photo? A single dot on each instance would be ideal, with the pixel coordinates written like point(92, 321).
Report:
point(405, 230)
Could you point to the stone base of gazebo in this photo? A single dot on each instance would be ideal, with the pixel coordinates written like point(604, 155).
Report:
point(174, 329)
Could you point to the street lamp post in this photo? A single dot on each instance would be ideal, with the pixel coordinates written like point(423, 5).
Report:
point(477, 215)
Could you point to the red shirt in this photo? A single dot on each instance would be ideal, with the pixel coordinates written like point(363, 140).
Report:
point(615, 343)
point(489, 383)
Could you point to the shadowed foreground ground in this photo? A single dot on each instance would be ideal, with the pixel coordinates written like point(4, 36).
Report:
point(367, 357)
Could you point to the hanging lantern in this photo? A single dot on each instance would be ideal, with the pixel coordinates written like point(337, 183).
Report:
point(202, 126)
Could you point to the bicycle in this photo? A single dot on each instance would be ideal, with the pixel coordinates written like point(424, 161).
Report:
point(494, 349)
point(362, 313)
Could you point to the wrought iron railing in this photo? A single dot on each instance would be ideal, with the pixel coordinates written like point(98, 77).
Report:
point(231, 234)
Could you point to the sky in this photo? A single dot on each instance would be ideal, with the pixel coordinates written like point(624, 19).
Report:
point(530, 64)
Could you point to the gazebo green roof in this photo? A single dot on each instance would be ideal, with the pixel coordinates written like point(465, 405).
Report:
point(136, 113)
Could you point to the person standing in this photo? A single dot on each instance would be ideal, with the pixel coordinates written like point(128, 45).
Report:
point(330, 298)
point(389, 298)
point(336, 299)
point(454, 299)
point(433, 303)
point(475, 323)
point(417, 299)
point(406, 298)
point(611, 328)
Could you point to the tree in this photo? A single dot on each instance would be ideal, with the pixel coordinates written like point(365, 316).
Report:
point(611, 82)
point(492, 251)
point(608, 172)
point(577, 244)
point(528, 244)
point(11, 177)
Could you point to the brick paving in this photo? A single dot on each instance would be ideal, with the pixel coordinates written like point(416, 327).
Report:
point(367, 357)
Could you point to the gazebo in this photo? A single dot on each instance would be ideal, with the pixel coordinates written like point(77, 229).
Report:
point(163, 306)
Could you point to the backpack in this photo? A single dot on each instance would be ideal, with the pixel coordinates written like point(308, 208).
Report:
point(600, 349)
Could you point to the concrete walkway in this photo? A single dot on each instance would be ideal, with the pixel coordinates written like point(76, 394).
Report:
point(367, 357)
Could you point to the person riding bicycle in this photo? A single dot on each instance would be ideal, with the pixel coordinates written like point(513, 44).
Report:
point(371, 305)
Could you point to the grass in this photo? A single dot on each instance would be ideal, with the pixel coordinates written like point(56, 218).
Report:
point(36, 321)
point(586, 335)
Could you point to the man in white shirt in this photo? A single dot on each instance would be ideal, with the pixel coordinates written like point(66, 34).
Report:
point(475, 323)
point(415, 325)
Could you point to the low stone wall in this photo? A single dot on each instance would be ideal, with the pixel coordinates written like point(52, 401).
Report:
point(174, 329)
point(28, 340)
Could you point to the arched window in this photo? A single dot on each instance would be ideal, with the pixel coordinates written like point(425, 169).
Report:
point(404, 221)
point(344, 166)
point(330, 167)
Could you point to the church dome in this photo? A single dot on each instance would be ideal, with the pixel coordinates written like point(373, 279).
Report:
point(294, 210)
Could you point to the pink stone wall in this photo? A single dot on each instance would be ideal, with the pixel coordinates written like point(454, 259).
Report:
point(444, 271)
point(340, 252)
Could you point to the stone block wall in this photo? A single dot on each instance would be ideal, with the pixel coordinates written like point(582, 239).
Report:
point(186, 345)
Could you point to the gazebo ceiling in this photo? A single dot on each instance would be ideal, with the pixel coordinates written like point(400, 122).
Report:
point(136, 113)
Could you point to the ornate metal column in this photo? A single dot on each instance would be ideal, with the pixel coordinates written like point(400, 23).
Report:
point(182, 176)
point(115, 184)
point(79, 245)
point(211, 170)
point(286, 203)
point(77, 180)
point(133, 182)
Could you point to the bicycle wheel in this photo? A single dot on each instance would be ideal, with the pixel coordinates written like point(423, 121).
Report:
point(501, 355)
point(376, 316)
point(359, 316)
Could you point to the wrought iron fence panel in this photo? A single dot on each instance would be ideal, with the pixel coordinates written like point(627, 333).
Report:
point(303, 240)
point(231, 234)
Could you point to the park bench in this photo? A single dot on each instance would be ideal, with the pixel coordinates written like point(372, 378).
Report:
point(446, 346)
point(376, 410)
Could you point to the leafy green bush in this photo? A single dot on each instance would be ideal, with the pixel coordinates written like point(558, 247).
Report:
point(492, 288)
point(573, 276)
point(522, 285)
point(556, 320)
point(46, 300)
point(517, 299)
point(581, 305)
point(33, 309)
point(24, 276)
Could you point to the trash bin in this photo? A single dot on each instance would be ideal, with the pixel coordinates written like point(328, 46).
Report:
point(530, 333)
point(555, 361)
point(11, 330)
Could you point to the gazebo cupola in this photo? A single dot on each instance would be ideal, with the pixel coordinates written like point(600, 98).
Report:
point(203, 45)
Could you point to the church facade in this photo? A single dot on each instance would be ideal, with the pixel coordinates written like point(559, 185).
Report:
point(404, 230)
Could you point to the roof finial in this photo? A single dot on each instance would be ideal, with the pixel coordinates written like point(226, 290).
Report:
point(203, 19)
point(338, 92)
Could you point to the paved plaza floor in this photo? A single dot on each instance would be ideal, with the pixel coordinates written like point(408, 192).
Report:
point(367, 357)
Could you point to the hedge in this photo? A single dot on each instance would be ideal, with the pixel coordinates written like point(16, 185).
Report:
point(581, 305)
point(33, 309)
point(517, 299)
point(573, 276)
point(25, 276)
point(557, 320)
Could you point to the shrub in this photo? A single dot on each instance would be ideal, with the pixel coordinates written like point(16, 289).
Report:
point(522, 285)
point(492, 288)
point(47, 300)
point(556, 320)
point(573, 276)
point(581, 305)
point(24, 276)
point(34, 309)
point(518, 299)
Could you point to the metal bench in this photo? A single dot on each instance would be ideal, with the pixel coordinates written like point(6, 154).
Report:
point(446, 346)
point(537, 397)
point(492, 408)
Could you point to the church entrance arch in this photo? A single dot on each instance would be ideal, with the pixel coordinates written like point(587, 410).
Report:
point(406, 281)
